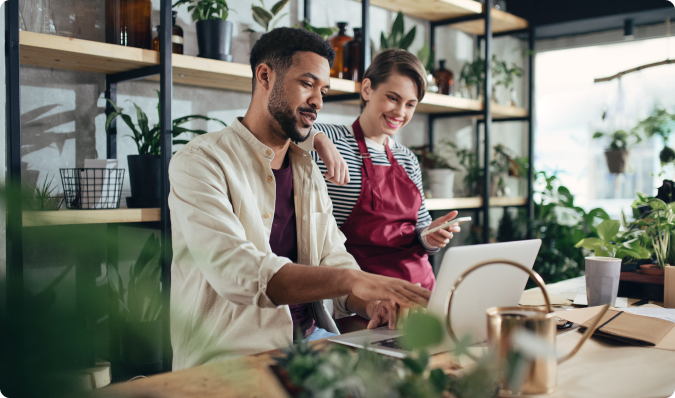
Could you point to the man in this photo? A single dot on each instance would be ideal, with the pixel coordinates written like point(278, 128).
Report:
point(256, 247)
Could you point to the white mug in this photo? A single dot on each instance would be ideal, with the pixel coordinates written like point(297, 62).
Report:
point(602, 280)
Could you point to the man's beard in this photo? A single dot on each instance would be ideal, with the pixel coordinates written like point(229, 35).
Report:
point(283, 114)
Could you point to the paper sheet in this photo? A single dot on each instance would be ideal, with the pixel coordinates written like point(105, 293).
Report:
point(534, 298)
point(581, 299)
point(667, 314)
point(97, 197)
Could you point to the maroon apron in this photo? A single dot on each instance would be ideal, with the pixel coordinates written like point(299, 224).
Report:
point(380, 230)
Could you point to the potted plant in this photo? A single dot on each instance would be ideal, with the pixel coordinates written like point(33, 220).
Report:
point(43, 196)
point(611, 243)
point(619, 148)
point(141, 305)
point(267, 19)
point(660, 123)
point(397, 38)
point(505, 164)
point(438, 168)
point(659, 224)
point(473, 75)
point(214, 32)
point(504, 76)
point(145, 169)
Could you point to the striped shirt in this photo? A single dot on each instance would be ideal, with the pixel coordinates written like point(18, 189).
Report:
point(345, 197)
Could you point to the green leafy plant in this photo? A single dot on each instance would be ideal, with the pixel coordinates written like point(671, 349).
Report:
point(661, 123)
point(397, 38)
point(611, 243)
point(659, 225)
point(147, 139)
point(43, 196)
point(323, 32)
point(504, 76)
point(141, 301)
point(267, 19)
point(620, 139)
point(441, 158)
point(203, 10)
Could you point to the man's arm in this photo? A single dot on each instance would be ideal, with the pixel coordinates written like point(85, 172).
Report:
point(297, 284)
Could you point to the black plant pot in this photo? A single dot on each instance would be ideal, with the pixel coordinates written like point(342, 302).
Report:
point(215, 39)
point(141, 347)
point(145, 176)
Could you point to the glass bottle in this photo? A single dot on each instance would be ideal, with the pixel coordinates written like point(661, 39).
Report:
point(128, 23)
point(338, 42)
point(444, 79)
point(352, 69)
point(176, 37)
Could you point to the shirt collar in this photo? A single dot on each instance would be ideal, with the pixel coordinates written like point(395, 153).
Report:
point(263, 150)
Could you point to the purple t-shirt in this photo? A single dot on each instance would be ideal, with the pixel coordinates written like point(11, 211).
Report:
point(284, 241)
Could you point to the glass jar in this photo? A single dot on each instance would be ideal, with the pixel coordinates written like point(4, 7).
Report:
point(128, 23)
point(352, 67)
point(338, 42)
point(176, 37)
point(444, 79)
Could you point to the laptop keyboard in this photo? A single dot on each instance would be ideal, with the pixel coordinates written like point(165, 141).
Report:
point(394, 342)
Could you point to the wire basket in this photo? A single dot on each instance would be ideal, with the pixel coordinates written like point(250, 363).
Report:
point(92, 188)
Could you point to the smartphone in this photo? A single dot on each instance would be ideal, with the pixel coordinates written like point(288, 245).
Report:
point(457, 221)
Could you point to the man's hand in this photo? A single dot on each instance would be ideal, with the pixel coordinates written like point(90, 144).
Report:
point(337, 171)
point(442, 237)
point(372, 287)
point(381, 312)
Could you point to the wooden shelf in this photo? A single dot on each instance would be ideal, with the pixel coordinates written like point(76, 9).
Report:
point(89, 56)
point(71, 217)
point(437, 10)
point(440, 103)
point(472, 203)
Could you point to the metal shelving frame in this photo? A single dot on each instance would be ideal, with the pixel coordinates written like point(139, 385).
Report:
point(486, 112)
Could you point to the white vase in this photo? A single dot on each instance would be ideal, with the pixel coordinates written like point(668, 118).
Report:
point(441, 182)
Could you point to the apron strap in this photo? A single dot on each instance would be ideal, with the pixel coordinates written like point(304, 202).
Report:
point(369, 170)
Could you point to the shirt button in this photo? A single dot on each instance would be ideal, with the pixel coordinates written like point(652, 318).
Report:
point(268, 152)
point(269, 178)
point(268, 215)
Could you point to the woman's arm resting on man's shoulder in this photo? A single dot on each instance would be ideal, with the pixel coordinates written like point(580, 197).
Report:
point(337, 171)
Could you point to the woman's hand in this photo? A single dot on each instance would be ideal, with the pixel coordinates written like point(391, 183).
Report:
point(442, 237)
point(381, 312)
point(337, 171)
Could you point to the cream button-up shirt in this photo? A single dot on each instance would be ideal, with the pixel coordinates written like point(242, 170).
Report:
point(222, 206)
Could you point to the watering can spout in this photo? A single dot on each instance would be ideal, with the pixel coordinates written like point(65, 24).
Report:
point(589, 331)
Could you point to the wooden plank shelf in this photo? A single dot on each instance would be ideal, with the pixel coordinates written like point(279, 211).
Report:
point(472, 203)
point(89, 56)
point(438, 10)
point(74, 217)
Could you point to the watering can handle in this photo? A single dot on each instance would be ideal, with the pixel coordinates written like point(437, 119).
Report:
point(533, 274)
point(587, 334)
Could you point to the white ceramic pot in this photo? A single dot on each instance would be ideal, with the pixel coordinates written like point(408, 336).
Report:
point(441, 182)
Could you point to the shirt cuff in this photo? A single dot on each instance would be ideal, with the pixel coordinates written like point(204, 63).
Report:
point(340, 307)
point(308, 144)
point(427, 246)
point(271, 264)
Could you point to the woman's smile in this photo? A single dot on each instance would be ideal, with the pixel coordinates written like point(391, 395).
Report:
point(392, 122)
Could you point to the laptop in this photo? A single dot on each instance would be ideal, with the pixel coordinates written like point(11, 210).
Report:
point(497, 285)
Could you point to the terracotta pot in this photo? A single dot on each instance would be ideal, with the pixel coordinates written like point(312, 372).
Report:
point(652, 269)
point(616, 160)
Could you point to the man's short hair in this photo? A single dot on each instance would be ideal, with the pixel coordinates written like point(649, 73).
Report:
point(277, 47)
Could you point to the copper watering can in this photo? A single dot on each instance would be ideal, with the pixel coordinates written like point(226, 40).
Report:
point(504, 322)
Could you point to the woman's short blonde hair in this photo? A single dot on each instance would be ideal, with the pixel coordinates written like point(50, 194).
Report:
point(399, 61)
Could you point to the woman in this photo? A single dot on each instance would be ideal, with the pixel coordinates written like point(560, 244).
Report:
point(381, 209)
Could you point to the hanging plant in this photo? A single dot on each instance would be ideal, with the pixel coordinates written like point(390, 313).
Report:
point(661, 123)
